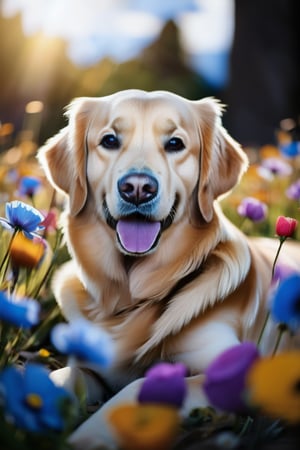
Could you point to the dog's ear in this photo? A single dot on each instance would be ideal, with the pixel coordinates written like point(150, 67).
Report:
point(63, 157)
point(222, 161)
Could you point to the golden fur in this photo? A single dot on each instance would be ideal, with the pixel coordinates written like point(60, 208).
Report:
point(203, 287)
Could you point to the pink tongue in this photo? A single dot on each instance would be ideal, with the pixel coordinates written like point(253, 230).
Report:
point(137, 236)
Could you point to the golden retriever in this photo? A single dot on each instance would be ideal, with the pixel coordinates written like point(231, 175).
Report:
point(154, 260)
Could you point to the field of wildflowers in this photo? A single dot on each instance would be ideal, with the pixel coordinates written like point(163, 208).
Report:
point(259, 396)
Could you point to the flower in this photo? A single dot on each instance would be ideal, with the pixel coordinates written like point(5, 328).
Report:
point(29, 185)
point(31, 400)
point(22, 313)
point(26, 252)
point(50, 220)
point(282, 271)
point(277, 166)
point(285, 226)
point(293, 191)
point(23, 217)
point(253, 209)
point(84, 340)
point(285, 306)
point(164, 383)
point(224, 382)
point(273, 385)
point(145, 427)
point(290, 149)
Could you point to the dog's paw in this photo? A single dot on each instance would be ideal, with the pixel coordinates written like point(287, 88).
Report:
point(96, 432)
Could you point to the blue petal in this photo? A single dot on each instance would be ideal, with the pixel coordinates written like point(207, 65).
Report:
point(23, 216)
point(285, 307)
point(84, 340)
point(29, 185)
point(24, 313)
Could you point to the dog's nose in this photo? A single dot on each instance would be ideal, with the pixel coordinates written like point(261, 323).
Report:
point(138, 188)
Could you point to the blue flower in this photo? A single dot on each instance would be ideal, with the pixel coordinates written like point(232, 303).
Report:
point(285, 306)
point(225, 377)
point(23, 313)
point(253, 209)
point(84, 340)
point(164, 383)
point(21, 216)
point(29, 185)
point(31, 400)
point(291, 149)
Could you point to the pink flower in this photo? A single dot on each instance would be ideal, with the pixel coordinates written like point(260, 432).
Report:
point(50, 221)
point(285, 226)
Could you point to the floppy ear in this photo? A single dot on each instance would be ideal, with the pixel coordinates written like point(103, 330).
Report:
point(222, 161)
point(63, 157)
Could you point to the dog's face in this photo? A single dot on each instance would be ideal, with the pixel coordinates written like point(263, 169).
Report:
point(146, 160)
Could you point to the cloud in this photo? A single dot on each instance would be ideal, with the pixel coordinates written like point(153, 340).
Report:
point(120, 29)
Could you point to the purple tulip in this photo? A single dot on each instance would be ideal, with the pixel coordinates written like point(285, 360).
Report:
point(164, 383)
point(224, 383)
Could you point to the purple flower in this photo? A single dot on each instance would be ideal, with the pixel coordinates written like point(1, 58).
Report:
point(277, 166)
point(164, 383)
point(282, 271)
point(253, 209)
point(29, 185)
point(224, 383)
point(293, 191)
point(31, 400)
point(84, 340)
point(23, 313)
point(285, 306)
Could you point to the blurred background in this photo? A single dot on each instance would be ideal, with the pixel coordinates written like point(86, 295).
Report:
point(245, 52)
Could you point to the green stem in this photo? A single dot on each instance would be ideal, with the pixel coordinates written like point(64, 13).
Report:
point(263, 328)
point(281, 241)
point(281, 329)
point(5, 258)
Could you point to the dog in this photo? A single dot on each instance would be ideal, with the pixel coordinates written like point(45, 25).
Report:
point(153, 259)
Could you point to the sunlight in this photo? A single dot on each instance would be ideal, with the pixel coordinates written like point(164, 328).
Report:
point(39, 63)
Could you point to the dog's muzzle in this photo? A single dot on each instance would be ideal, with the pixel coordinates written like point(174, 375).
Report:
point(137, 232)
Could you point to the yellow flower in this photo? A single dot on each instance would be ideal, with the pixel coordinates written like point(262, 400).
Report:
point(26, 252)
point(274, 386)
point(145, 426)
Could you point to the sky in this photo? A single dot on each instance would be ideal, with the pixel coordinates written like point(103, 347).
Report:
point(120, 29)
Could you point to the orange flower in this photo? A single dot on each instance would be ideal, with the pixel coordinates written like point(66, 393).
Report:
point(145, 426)
point(26, 252)
point(274, 386)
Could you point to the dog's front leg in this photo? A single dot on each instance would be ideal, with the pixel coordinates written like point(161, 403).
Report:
point(97, 433)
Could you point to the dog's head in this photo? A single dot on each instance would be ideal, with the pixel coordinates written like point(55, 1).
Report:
point(146, 160)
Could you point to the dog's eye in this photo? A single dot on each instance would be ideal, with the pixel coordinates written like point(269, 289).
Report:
point(174, 144)
point(110, 142)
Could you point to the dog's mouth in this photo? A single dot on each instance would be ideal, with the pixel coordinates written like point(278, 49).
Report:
point(136, 233)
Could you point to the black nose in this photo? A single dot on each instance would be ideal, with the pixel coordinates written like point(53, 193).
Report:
point(138, 188)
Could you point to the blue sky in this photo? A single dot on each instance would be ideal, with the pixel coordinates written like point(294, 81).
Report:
point(94, 29)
